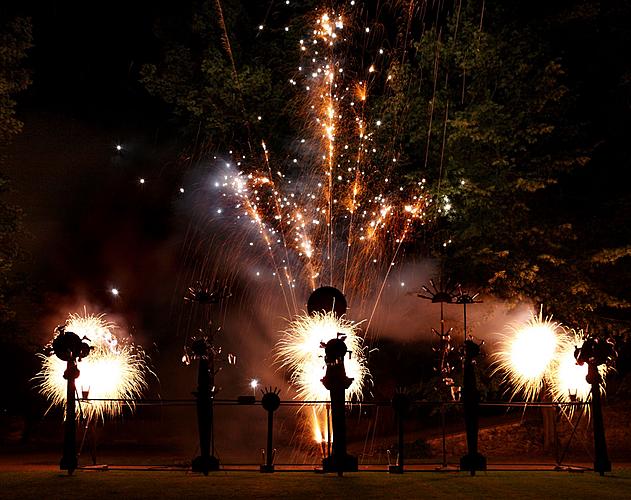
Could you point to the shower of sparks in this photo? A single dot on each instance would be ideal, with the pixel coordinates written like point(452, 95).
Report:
point(570, 378)
point(300, 352)
point(332, 213)
point(114, 370)
point(337, 210)
point(538, 357)
point(528, 355)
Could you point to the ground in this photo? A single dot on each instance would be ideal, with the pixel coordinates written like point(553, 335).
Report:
point(51, 484)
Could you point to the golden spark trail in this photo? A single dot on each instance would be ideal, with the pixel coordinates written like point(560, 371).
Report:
point(279, 215)
point(252, 209)
point(536, 360)
point(355, 192)
point(337, 218)
point(329, 35)
point(115, 370)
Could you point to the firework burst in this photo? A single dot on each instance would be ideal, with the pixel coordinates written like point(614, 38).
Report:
point(115, 370)
point(536, 359)
point(528, 355)
point(336, 212)
point(299, 351)
point(570, 378)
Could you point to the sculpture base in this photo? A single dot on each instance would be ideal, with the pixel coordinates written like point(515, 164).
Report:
point(267, 468)
point(344, 463)
point(69, 464)
point(601, 466)
point(395, 469)
point(473, 462)
point(205, 464)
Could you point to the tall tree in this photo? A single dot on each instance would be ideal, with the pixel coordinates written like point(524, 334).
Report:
point(15, 40)
point(487, 113)
point(485, 100)
point(224, 69)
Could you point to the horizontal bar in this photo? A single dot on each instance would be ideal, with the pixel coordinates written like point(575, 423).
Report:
point(235, 402)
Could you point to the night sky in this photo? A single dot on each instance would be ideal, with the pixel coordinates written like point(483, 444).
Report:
point(90, 224)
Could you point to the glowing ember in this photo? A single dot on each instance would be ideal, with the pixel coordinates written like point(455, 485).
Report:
point(113, 370)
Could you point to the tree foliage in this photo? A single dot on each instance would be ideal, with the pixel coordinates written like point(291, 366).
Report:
point(486, 102)
point(486, 112)
point(15, 40)
point(222, 74)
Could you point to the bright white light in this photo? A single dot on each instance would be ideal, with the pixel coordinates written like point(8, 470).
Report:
point(254, 383)
point(114, 292)
point(119, 147)
point(300, 352)
point(142, 180)
point(115, 370)
point(528, 353)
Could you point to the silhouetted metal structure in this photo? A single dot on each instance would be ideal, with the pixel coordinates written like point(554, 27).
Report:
point(330, 299)
point(68, 347)
point(401, 404)
point(206, 461)
point(204, 350)
point(270, 402)
point(472, 461)
point(596, 352)
point(336, 382)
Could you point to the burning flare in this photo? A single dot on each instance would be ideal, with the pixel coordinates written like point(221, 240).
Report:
point(570, 382)
point(528, 355)
point(114, 370)
point(539, 356)
point(300, 352)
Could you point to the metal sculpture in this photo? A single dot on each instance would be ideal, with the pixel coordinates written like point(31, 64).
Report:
point(596, 352)
point(472, 461)
point(330, 299)
point(68, 347)
point(401, 404)
point(270, 402)
point(206, 461)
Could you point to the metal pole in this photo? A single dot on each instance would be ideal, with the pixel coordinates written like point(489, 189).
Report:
point(69, 460)
point(205, 462)
point(270, 402)
point(601, 458)
point(442, 418)
point(473, 460)
point(270, 432)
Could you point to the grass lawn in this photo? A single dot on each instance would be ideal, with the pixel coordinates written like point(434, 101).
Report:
point(307, 485)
